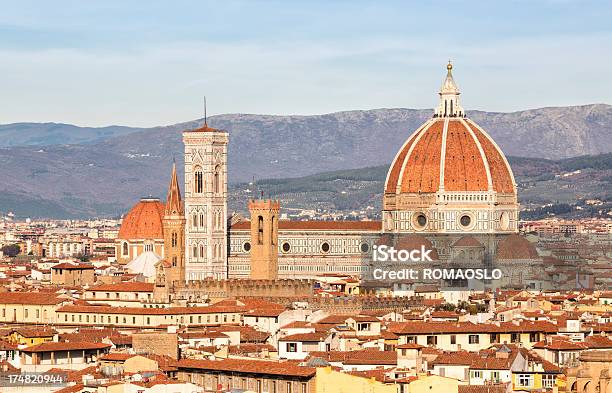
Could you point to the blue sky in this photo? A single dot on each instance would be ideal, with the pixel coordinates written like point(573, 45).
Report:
point(147, 63)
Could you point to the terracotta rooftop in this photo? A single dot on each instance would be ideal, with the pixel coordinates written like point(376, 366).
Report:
point(73, 266)
point(249, 366)
point(308, 337)
point(124, 287)
point(363, 357)
point(149, 311)
point(65, 346)
point(29, 298)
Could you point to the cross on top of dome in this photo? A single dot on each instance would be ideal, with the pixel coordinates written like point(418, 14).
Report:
point(449, 97)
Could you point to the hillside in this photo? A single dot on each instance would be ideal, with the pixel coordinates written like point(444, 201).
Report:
point(102, 174)
point(545, 186)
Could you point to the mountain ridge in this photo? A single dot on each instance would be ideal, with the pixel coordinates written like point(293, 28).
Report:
point(106, 176)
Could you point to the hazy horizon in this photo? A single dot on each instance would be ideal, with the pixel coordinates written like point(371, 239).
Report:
point(146, 64)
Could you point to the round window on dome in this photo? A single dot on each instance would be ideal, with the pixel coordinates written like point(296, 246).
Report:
point(286, 247)
point(246, 246)
point(364, 247)
point(420, 221)
point(325, 247)
point(465, 220)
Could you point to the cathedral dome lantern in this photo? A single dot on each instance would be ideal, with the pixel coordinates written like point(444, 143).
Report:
point(450, 176)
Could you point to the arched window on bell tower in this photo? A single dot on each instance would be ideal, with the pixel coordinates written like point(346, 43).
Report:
point(174, 239)
point(198, 185)
point(125, 250)
point(217, 179)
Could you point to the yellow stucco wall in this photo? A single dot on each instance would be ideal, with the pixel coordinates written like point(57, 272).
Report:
point(330, 381)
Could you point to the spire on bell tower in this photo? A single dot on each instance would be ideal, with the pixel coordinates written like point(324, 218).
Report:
point(174, 204)
point(449, 96)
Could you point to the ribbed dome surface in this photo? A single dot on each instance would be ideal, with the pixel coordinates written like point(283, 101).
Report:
point(516, 247)
point(143, 221)
point(453, 152)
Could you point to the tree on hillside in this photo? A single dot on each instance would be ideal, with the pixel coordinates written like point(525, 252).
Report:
point(11, 250)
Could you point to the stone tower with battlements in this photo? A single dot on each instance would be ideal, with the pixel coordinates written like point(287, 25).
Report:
point(264, 239)
point(205, 203)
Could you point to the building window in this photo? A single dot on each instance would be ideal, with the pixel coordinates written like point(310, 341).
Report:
point(465, 220)
point(432, 340)
point(124, 249)
point(525, 380)
point(174, 239)
point(260, 230)
point(286, 247)
point(364, 247)
point(273, 237)
point(420, 221)
point(473, 339)
point(217, 179)
point(533, 337)
point(453, 339)
point(549, 381)
point(246, 247)
point(199, 181)
point(515, 337)
point(325, 247)
point(291, 347)
point(475, 374)
point(288, 387)
point(195, 251)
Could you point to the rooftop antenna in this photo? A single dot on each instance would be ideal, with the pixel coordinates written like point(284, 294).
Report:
point(205, 116)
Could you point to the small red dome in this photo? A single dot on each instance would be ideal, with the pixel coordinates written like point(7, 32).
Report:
point(143, 221)
point(414, 242)
point(467, 241)
point(516, 247)
point(454, 151)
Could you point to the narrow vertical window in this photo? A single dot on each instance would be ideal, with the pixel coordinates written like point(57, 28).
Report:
point(217, 179)
point(198, 181)
point(260, 230)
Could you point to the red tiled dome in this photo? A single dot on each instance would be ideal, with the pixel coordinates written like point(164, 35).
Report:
point(516, 247)
point(461, 155)
point(414, 242)
point(143, 221)
point(467, 241)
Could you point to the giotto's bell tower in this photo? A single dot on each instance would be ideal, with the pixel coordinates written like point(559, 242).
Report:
point(205, 203)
